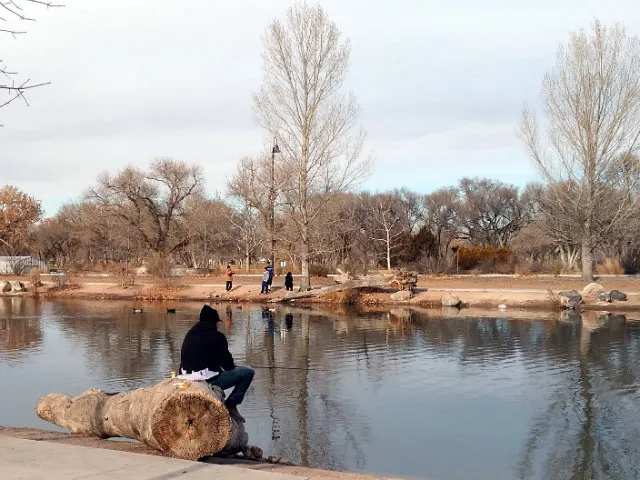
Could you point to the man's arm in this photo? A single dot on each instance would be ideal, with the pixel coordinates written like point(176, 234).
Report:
point(226, 359)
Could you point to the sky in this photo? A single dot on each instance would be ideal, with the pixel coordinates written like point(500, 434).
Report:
point(441, 86)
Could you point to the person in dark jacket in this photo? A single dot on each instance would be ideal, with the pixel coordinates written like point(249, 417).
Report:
point(288, 282)
point(205, 347)
point(269, 269)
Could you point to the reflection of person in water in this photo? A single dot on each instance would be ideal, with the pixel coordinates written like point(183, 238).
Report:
point(288, 321)
point(267, 315)
point(228, 321)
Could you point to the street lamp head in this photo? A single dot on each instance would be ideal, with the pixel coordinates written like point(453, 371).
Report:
point(276, 148)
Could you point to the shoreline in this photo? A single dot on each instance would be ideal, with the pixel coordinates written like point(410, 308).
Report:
point(287, 468)
point(530, 293)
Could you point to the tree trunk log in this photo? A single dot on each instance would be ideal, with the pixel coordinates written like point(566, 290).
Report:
point(378, 281)
point(180, 418)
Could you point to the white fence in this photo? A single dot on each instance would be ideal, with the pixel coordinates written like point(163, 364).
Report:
point(20, 265)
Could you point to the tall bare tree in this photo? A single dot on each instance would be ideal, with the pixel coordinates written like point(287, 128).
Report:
point(16, 10)
point(592, 109)
point(301, 103)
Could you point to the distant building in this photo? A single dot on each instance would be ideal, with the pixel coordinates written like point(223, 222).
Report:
point(20, 265)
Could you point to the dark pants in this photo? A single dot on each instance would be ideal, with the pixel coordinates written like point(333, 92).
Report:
point(270, 282)
point(265, 287)
point(229, 283)
point(240, 378)
point(289, 288)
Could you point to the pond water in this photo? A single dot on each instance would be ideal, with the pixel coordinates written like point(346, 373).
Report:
point(402, 393)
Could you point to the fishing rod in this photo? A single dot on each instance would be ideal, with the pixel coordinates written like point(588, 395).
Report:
point(275, 367)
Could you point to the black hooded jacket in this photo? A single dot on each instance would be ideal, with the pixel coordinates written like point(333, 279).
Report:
point(205, 347)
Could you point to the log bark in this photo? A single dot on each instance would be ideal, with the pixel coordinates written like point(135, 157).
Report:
point(180, 418)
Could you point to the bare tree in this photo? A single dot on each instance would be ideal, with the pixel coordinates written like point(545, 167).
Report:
point(491, 211)
point(442, 215)
point(209, 232)
point(16, 10)
point(592, 107)
point(301, 104)
point(154, 202)
point(388, 228)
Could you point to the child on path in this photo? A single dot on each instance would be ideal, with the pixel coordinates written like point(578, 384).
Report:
point(265, 281)
point(229, 278)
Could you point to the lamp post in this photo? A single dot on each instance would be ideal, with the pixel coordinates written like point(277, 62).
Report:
point(272, 201)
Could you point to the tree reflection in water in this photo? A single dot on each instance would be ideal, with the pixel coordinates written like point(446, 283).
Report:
point(311, 423)
point(589, 431)
point(20, 330)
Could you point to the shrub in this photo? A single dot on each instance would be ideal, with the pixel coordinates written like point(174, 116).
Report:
point(319, 270)
point(160, 266)
point(610, 266)
point(486, 259)
point(35, 278)
point(631, 261)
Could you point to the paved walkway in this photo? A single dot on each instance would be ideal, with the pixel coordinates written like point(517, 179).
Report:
point(30, 459)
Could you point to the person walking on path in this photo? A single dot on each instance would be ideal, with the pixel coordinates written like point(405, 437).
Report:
point(205, 347)
point(265, 281)
point(288, 282)
point(270, 270)
point(229, 275)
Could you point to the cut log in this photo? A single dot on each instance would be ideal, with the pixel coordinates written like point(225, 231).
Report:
point(180, 418)
point(377, 281)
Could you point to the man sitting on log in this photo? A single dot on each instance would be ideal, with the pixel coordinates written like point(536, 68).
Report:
point(205, 347)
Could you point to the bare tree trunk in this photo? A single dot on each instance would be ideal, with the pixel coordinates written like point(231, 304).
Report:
point(187, 421)
point(388, 251)
point(305, 280)
point(587, 261)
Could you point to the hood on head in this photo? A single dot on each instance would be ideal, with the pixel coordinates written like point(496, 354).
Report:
point(208, 314)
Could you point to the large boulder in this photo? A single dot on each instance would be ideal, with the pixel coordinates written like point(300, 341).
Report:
point(592, 290)
point(401, 296)
point(569, 299)
point(6, 288)
point(451, 301)
point(617, 296)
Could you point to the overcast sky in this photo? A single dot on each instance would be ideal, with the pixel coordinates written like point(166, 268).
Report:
point(441, 85)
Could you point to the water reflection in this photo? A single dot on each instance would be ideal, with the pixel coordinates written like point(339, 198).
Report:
point(590, 429)
point(20, 330)
point(401, 392)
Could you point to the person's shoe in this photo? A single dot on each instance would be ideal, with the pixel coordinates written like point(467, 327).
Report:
point(233, 411)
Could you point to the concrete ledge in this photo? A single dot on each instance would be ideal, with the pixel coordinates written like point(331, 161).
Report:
point(30, 459)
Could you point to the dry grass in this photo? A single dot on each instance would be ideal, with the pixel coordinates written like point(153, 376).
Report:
point(610, 267)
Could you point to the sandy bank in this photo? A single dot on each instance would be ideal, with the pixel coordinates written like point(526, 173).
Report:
point(486, 292)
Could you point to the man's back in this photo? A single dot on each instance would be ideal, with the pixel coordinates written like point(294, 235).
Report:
point(205, 347)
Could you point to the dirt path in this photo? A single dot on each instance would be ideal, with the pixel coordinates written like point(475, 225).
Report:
point(483, 291)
